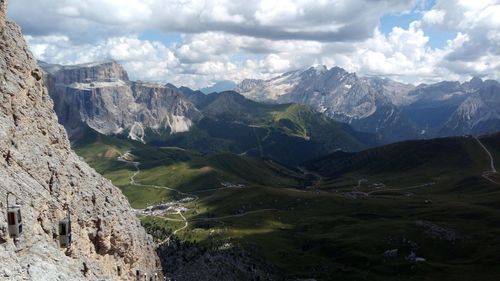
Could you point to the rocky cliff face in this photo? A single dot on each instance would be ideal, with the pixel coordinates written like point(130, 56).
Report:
point(108, 71)
point(101, 96)
point(39, 168)
point(479, 113)
point(3, 10)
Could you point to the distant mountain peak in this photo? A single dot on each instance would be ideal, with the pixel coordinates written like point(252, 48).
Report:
point(171, 86)
point(319, 68)
point(476, 82)
point(230, 98)
point(372, 104)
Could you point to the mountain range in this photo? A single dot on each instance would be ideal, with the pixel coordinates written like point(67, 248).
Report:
point(395, 111)
point(100, 96)
point(314, 111)
point(342, 206)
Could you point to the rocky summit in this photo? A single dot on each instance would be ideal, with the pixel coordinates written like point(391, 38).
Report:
point(47, 180)
point(101, 96)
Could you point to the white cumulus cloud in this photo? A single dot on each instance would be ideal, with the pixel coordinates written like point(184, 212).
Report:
point(233, 40)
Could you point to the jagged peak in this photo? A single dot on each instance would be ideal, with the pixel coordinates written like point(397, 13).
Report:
point(319, 68)
point(171, 86)
point(476, 78)
point(476, 82)
point(323, 70)
point(187, 90)
point(184, 88)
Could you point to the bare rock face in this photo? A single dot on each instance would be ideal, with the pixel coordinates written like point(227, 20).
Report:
point(479, 113)
point(107, 71)
point(39, 168)
point(101, 96)
point(3, 9)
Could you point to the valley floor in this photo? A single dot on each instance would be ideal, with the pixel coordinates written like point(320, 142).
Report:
point(425, 222)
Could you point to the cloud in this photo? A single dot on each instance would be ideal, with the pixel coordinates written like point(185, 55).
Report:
point(325, 20)
point(145, 60)
point(434, 17)
point(233, 40)
point(476, 48)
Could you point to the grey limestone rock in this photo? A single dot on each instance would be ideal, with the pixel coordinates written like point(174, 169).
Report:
point(38, 166)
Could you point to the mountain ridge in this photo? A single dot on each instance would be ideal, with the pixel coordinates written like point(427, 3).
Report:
point(396, 111)
point(101, 96)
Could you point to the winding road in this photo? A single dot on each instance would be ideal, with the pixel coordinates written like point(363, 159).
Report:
point(133, 181)
point(185, 223)
point(493, 170)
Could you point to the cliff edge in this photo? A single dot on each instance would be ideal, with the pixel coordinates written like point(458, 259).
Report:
point(46, 178)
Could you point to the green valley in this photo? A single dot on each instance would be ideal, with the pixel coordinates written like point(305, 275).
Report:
point(337, 218)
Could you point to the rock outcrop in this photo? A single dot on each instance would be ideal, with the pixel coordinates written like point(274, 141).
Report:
point(101, 96)
point(38, 167)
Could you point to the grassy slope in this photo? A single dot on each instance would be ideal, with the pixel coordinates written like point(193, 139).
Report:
point(318, 232)
point(235, 124)
point(176, 168)
point(411, 161)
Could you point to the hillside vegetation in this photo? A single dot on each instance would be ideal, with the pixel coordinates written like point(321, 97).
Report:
point(334, 219)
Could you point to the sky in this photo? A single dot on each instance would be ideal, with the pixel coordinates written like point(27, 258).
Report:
point(198, 42)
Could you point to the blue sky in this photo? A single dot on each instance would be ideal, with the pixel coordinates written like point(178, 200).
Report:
point(167, 38)
point(437, 37)
point(198, 42)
